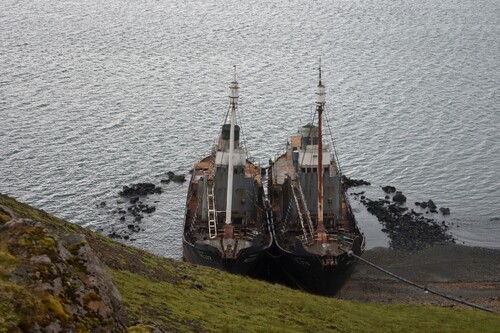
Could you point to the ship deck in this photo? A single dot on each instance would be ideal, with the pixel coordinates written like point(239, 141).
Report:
point(197, 229)
point(283, 167)
point(206, 167)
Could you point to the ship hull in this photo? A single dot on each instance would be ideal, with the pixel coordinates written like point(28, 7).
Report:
point(251, 262)
point(307, 272)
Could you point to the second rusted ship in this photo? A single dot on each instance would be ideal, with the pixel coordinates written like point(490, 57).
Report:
point(315, 230)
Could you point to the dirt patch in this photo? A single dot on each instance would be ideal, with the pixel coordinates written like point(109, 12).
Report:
point(471, 274)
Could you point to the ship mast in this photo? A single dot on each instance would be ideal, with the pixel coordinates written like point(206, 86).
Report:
point(233, 98)
point(321, 236)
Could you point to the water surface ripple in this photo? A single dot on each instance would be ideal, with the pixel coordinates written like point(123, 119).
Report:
point(96, 95)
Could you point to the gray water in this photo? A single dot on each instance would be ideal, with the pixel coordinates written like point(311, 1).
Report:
point(96, 95)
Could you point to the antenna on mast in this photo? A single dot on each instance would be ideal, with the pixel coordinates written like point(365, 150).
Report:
point(320, 83)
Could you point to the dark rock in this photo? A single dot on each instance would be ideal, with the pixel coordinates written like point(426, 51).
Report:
point(148, 209)
point(431, 204)
point(139, 189)
point(114, 235)
point(179, 178)
point(348, 182)
point(135, 194)
point(415, 213)
point(423, 204)
point(389, 189)
point(399, 197)
point(133, 228)
point(407, 230)
point(173, 177)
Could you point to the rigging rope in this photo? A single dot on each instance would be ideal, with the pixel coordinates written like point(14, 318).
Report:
point(243, 139)
point(426, 289)
point(332, 141)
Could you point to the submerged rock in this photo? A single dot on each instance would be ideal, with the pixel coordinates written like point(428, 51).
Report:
point(132, 214)
point(173, 177)
point(399, 197)
point(444, 211)
point(431, 204)
point(407, 229)
point(348, 182)
point(140, 189)
point(389, 189)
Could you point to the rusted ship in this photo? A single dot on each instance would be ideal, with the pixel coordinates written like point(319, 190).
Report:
point(225, 224)
point(315, 230)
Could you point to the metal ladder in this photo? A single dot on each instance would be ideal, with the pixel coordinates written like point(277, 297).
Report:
point(212, 215)
point(308, 215)
point(302, 210)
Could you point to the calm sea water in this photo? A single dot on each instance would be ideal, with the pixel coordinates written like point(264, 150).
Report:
point(96, 95)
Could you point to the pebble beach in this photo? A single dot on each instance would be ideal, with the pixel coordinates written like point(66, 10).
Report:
point(471, 274)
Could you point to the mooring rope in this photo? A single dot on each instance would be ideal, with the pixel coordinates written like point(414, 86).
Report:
point(426, 289)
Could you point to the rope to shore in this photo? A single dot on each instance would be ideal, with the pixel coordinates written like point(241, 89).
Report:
point(426, 289)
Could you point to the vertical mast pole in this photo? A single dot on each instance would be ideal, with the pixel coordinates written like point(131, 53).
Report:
point(233, 98)
point(320, 103)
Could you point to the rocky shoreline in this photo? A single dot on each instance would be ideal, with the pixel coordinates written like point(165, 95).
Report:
point(134, 204)
point(468, 273)
point(410, 227)
point(421, 250)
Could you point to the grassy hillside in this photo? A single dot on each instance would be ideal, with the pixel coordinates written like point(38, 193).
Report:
point(178, 297)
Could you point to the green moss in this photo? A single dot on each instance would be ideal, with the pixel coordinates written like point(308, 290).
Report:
point(4, 217)
point(22, 210)
point(7, 261)
point(35, 241)
point(19, 308)
point(89, 297)
point(55, 308)
point(140, 329)
point(161, 292)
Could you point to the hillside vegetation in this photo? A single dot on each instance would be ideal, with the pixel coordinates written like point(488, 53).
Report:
point(56, 276)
